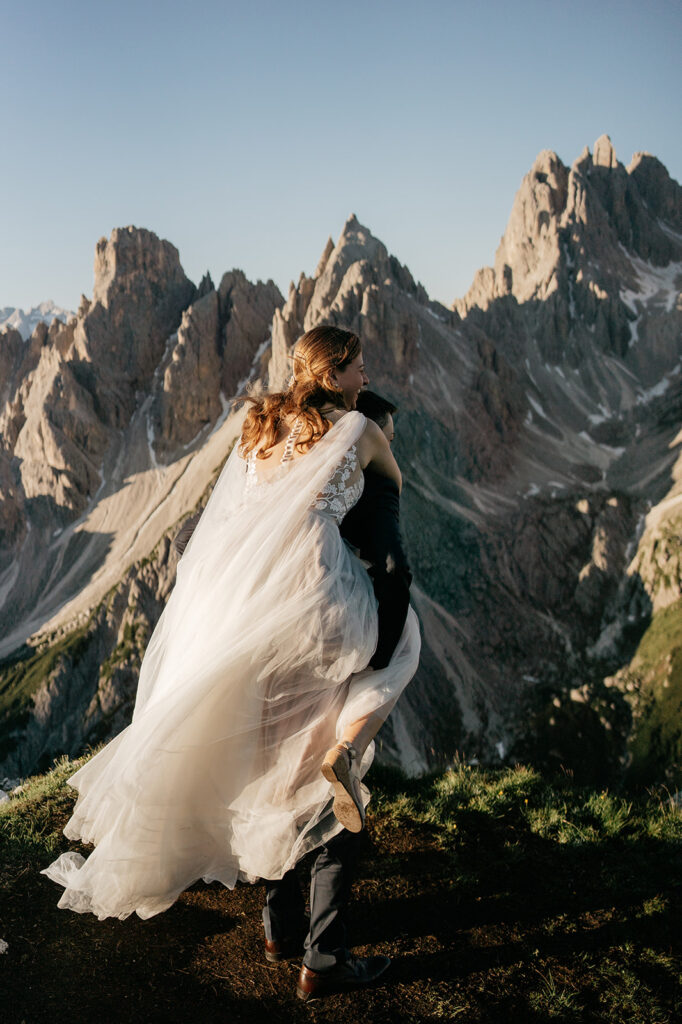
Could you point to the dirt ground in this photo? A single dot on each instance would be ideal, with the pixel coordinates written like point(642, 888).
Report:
point(519, 945)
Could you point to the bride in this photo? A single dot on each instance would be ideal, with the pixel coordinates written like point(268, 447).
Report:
point(256, 706)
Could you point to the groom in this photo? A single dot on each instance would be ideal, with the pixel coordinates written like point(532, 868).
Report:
point(372, 528)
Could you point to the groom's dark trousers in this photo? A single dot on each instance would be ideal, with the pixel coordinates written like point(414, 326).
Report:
point(372, 527)
point(330, 882)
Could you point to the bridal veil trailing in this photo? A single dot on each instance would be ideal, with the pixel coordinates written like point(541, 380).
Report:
point(257, 664)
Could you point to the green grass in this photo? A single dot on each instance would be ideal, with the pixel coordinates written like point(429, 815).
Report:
point(503, 895)
point(656, 672)
point(27, 820)
point(129, 649)
point(591, 879)
point(22, 675)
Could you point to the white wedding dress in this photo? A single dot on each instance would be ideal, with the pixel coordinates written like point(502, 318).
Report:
point(256, 666)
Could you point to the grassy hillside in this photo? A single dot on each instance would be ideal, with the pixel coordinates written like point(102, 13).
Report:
point(503, 896)
point(653, 681)
point(106, 651)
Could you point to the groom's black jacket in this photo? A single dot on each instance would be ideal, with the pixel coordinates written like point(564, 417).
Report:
point(373, 526)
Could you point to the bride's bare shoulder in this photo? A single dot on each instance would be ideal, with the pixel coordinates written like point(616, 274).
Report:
point(372, 438)
point(375, 451)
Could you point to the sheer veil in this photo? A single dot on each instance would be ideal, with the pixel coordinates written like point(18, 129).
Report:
point(256, 665)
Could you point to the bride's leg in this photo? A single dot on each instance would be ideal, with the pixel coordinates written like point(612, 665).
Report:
point(361, 732)
point(337, 768)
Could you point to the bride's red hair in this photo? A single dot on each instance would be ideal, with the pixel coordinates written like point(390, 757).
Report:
point(317, 353)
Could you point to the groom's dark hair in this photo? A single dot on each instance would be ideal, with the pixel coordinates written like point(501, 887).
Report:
point(374, 407)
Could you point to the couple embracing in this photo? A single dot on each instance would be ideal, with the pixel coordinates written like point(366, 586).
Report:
point(283, 647)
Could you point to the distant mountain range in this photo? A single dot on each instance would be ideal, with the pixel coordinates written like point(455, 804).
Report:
point(538, 433)
point(25, 322)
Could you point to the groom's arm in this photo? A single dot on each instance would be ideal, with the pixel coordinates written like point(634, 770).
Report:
point(373, 526)
point(390, 573)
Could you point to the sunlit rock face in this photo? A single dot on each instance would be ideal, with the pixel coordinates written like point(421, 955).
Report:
point(537, 434)
point(537, 428)
point(130, 386)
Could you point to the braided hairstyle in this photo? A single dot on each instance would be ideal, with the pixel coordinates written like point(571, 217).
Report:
point(317, 353)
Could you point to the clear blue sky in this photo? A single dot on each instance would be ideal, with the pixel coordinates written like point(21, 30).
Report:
point(246, 133)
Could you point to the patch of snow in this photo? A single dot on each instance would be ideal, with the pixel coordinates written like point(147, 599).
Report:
point(656, 391)
point(3, 946)
point(501, 749)
point(170, 342)
point(655, 283)
point(667, 230)
point(569, 267)
point(606, 640)
point(633, 544)
point(154, 462)
point(26, 321)
point(634, 331)
point(601, 416)
point(536, 406)
point(9, 577)
point(255, 362)
point(529, 372)
point(617, 452)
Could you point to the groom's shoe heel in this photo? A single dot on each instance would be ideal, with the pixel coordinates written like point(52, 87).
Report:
point(337, 769)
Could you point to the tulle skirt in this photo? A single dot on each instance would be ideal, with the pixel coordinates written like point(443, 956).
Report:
point(218, 774)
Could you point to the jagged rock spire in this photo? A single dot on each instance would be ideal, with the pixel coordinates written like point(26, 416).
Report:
point(604, 153)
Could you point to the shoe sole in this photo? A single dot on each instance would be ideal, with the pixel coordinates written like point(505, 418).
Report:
point(345, 808)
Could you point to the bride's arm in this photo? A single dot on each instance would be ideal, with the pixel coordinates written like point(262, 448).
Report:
point(374, 452)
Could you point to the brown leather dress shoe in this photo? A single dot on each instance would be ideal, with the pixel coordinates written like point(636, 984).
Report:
point(288, 948)
point(353, 973)
point(285, 949)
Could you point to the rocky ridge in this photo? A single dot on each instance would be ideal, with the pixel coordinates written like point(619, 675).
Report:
point(538, 436)
point(88, 408)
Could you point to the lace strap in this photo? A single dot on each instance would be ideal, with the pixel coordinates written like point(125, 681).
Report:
point(288, 452)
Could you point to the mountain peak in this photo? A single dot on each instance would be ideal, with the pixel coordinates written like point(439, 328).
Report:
point(25, 321)
point(604, 153)
point(324, 258)
point(133, 253)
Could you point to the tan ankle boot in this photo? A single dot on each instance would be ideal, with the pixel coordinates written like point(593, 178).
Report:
point(338, 768)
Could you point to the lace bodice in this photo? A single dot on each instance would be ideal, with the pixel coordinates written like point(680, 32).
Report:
point(338, 495)
point(344, 489)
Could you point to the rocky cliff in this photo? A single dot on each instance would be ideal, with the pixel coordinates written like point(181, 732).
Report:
point(537, 432)
point(101, 417)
